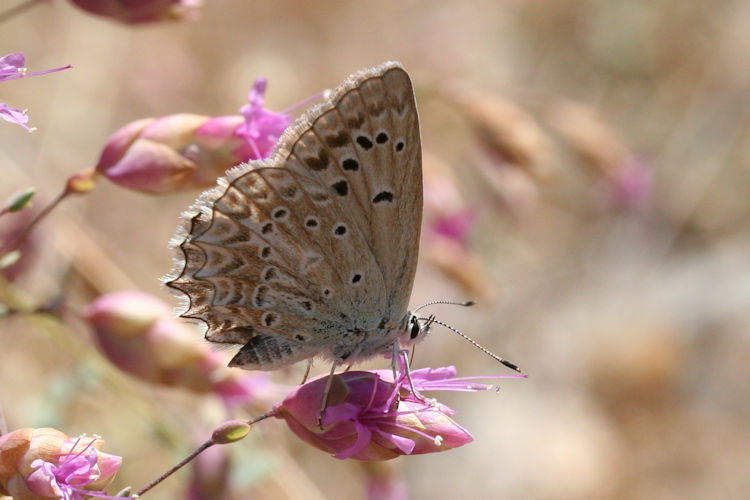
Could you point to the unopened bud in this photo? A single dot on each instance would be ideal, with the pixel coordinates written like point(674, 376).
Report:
point(19, 200)
point(230, 432)
point(141, 11)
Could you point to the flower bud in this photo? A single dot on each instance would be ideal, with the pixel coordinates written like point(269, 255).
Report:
point(146, 155)
point(600, 147)
point(623, 179)
point(141, 11)
point(508, 132)
point(128, 313)
point(18, 200)
point(81, 182)
point(138, 333)
point(183, 151)
point(45, 463)
point(230, 432)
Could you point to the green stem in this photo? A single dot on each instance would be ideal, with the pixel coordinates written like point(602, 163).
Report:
point(21, 237)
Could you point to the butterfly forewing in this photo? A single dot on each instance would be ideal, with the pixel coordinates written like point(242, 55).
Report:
point(288, 254)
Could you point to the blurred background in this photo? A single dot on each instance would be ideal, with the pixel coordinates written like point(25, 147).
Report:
point(587, 182)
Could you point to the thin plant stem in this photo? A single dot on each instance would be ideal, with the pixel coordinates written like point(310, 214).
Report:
point(177, 466)
point(16, 242)
point(194, 454)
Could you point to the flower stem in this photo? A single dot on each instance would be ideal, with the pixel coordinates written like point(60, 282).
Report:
point(16, 242)
point(194, 454)
point(176, 467)
point(266, 415)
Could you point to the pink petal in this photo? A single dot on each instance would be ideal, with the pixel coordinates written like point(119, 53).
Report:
point(11, 65)
point(14, 115)
point(364, 435)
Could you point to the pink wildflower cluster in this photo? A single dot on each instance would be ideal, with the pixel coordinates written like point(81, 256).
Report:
point(44, 463)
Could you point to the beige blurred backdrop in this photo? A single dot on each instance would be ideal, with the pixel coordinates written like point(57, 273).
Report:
point(633, 323)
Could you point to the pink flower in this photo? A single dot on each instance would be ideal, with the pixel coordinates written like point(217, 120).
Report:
point(140, 335)
point(262, 128)
point(46, 463)
point(370, 417)
point(14, 115)
point(11, 68)
point(141, 11)
point(184, 151)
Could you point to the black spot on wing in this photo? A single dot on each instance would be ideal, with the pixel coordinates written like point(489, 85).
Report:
point(383, 196)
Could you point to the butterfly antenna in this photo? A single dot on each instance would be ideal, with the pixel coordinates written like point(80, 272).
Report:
point(466, 303)
point(473, 342)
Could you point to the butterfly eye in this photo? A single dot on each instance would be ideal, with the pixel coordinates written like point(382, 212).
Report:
point(415, 329)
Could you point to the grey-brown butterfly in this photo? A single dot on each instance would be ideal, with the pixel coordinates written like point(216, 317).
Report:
point(313, 251)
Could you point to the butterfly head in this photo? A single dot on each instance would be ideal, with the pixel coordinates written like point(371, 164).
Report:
point(416, 328)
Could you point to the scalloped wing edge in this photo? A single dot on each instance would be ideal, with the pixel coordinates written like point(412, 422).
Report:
point(204, 202)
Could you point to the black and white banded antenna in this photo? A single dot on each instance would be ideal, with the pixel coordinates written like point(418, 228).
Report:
point(465, 303)
point(430, 320)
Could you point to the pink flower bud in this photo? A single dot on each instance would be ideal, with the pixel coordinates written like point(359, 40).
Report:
point(138, 333)
point(147, 155)
point(141, 11)
point(183, 151)
point(371, 418)
point(45, 463)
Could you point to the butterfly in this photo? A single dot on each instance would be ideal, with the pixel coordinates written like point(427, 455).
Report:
point(312, 252)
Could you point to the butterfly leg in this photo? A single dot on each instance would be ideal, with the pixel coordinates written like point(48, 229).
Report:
point(404, 355)
point(307, 371)
point(394, 358)
point(324, 402)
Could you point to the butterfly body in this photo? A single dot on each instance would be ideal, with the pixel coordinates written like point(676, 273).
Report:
point(312, 252)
